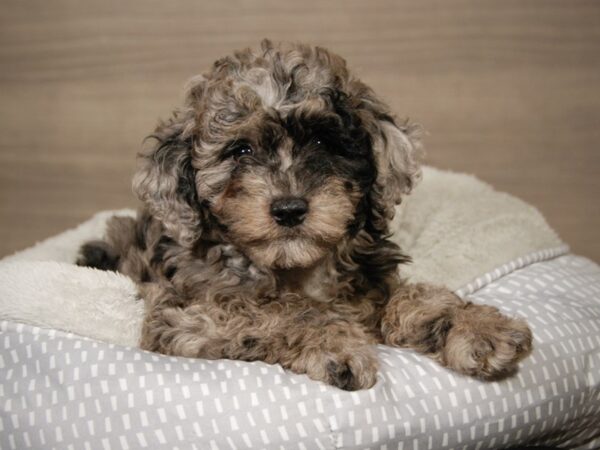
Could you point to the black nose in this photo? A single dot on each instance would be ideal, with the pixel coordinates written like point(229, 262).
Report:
point(289, 212)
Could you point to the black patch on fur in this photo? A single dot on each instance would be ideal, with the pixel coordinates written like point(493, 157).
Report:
point(141, 230)
point(145, 276)
point(360, 216)
point(167, 156)
point(437, 331)
point(341, 375)
point(98, 254)
point(186, 183)
point(249, 342)
point(376, 262)
point(170, 272)
point(160, 249)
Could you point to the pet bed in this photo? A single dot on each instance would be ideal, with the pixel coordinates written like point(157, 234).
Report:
point(73, 378)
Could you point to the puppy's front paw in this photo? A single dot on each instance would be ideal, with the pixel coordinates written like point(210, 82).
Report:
point(352, 373)
point(485, 344)
point(347, 371)
point(99, 255)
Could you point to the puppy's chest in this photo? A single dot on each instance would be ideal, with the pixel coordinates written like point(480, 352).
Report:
point(317, 284)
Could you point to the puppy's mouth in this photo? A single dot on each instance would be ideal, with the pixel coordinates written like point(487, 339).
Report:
point(303, 233)
point(290, 252)
point(286, 231)
point(297, 243)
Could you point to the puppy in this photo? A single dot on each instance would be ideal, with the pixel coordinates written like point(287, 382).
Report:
point(264, 233)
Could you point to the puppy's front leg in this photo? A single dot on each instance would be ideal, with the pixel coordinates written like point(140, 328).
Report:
point(174, 326)
point(319, 344)
point(331, 350)
point(475, 340)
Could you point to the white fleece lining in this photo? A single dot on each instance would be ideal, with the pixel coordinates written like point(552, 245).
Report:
point(456, 227)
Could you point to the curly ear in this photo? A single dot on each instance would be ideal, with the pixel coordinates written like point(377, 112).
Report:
point(165, 178)
point(397, 151)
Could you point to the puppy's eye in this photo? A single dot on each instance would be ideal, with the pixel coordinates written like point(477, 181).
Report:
point(317, 141)
point(241, 150)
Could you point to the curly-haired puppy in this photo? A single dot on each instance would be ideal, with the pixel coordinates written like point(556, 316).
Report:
point(265, 229)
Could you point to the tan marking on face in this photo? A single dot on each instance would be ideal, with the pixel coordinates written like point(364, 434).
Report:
point(330, 210)
point(244, 208)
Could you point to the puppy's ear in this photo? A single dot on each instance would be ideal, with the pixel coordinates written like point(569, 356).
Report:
point(397, 151)
point(165, 178)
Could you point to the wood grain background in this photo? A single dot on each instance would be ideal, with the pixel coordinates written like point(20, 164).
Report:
point(508, 90)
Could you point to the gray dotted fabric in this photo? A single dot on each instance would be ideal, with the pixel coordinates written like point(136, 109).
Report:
point(518, 263)
point(62, 391)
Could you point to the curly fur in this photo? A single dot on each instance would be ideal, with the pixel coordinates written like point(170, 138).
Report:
point(222, 279)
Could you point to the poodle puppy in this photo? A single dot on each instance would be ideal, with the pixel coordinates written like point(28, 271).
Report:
point(264, 232)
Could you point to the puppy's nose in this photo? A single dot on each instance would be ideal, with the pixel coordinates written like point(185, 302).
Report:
point(290, 211)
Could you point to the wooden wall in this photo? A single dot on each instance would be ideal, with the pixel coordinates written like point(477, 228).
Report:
point(508, 90)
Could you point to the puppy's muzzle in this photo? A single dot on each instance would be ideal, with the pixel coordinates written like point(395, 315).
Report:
point(289, 212)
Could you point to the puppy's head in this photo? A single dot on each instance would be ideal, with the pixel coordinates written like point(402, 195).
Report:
point(282, 152)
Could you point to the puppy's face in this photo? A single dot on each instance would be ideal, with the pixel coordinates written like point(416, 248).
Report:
point(285, 152)
point(285, 180)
